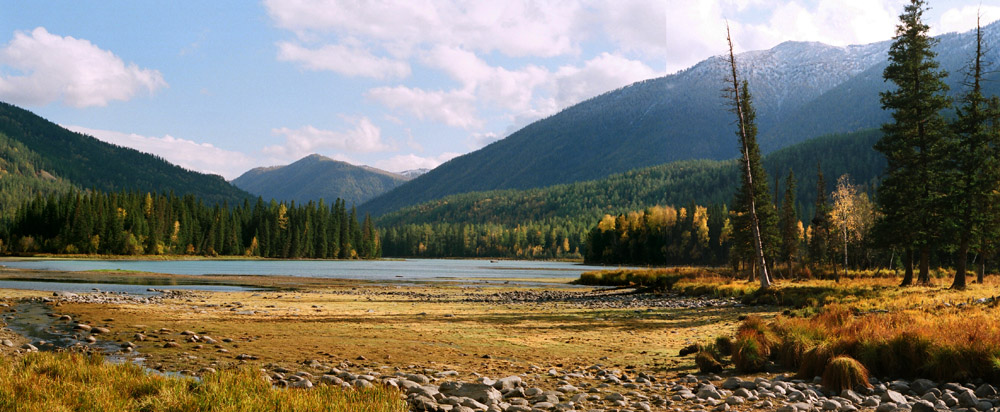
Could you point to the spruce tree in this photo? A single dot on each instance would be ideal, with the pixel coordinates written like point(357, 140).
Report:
point(820, 227)
point(914, 143)
point(976, 163)
point(789, 223)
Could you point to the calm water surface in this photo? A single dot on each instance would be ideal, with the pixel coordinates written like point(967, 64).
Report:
point(410, 269)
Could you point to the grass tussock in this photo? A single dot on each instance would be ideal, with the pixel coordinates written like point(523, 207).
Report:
point(843, 372)
point(46, 381)
point(657, 279)
point(956, 345)
point(707, 362)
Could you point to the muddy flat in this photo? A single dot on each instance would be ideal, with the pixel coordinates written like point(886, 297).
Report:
point(491, 330)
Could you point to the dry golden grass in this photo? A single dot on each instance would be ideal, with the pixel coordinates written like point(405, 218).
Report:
point(64, 382)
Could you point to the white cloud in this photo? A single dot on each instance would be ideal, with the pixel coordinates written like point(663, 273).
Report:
point(202, 157)
point(454, 108)
point(514, 28)
point(603, 73)
point(400, 163)
point(962, 19)
point(43, 68)
point(364, 137)
point(345, 60)
point(479, 140)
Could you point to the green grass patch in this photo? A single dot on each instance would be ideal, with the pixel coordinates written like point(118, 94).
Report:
point(58, 382)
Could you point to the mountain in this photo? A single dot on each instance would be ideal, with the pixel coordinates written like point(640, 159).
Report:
point(553, 221)
point(800, 90)
point(704, 182)
point(317, 177)
point(47, 158)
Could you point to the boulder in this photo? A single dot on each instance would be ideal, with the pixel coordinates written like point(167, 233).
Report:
point(482, 393)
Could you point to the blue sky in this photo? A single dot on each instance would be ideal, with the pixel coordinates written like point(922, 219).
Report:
point(223, 86)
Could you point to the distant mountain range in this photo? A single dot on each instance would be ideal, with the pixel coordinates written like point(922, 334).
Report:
point(317, 177)
point(800, 90)
point(40, 157)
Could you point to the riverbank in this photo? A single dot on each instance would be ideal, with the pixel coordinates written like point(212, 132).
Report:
point(596, 347)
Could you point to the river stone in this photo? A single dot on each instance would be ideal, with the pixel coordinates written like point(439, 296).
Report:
point(482, 393)
point(894, 397)
point(82, 326)
point(850, 395)
point(29, 347)
point(986, 391)
point(735, 400)
point(171, 345)
point(886, 407)
point(709, 392)
point(100, 330)
point(984, 405)
point(923, 406)
point(8, 343)
point(830, 405)
point(66, 317)
point(731, 383)
point(967, 398)
point(949, 399)
point(508, 383)
point(921, 386)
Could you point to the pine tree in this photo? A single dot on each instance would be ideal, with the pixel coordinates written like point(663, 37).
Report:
point(820, 225)
point(976, 163)
point(752, 199)
point(789, 223)
point(910, 196)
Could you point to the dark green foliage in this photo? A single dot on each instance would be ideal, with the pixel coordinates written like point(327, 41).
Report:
point(90, 163)
point(976, 157)
point(133, 223)
point(912, 194)
point(821, 225)
point(753, 210)
point(510, 223)
point(22, 176)
point(315, 177)
point(788, 223)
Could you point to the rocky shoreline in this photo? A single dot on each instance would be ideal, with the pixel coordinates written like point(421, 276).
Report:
point(597, 387)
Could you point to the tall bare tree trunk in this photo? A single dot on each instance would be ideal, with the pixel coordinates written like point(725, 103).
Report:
point(908, 268)
point(765, 278)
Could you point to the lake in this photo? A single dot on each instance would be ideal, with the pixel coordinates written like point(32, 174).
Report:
point(405, 269)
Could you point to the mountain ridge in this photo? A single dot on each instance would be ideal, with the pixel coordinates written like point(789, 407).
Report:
point(316, 177)
point(800, 89)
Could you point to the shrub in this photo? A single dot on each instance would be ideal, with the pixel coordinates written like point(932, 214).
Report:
point(843, 372)
point(707, 362)
point(724, 344)
point(750, 353)
point(814, 361)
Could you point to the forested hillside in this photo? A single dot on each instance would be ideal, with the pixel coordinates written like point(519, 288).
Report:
point(316, 177)
point(92, 164)
point(22, 176)
point(801, 91)
point(554, 221)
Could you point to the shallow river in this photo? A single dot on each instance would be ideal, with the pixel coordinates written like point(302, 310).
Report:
point(407, 270)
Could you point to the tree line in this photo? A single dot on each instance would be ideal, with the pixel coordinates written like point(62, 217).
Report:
point(551, 239)
point(135, 223)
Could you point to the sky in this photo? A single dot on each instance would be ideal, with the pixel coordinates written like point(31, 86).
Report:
point(224, 86)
